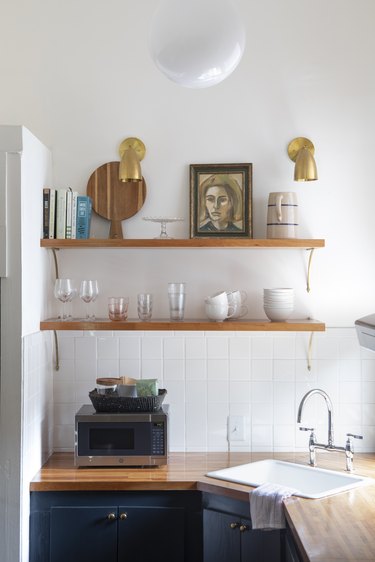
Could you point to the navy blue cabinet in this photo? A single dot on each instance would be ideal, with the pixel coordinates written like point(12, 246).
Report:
point(115, 526)
point(228, 536)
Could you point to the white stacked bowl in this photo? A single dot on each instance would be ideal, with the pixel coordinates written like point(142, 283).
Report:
point(278, 303)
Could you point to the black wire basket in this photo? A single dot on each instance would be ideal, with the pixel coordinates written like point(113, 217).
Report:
point(114, 403)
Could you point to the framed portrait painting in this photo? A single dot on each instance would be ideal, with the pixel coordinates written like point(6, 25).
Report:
point(221, 201)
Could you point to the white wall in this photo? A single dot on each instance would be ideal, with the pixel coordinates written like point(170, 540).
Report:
point(79, 75)
point(26, 401)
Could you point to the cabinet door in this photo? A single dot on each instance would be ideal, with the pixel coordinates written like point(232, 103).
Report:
point(259, 546)
point(151, 533)
point(221, 542)
point(83, 533)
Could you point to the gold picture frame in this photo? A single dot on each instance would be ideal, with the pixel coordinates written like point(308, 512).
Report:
point(221, 201)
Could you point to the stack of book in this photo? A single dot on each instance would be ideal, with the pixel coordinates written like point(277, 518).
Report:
point(66, 214)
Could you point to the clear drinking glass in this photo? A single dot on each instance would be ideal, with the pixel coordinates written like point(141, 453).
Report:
point(176, 297)
point(64, 291)
point(88, 292)
point(144, 306)
point(118, 308)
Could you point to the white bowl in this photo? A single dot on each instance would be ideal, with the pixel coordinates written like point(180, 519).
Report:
point(277, 315)
point(280, 305)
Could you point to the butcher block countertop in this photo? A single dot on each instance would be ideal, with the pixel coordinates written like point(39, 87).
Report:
point(338, 528)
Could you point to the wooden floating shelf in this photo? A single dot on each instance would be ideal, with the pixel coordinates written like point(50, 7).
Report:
point(185, 243)
point(304, 325)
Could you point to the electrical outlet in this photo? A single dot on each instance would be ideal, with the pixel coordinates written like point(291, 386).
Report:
point(236, 428)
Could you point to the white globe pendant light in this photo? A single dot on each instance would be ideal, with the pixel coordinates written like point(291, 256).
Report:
point(196, 43)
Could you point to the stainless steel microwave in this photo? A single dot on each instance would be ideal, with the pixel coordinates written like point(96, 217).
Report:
point(120, 439)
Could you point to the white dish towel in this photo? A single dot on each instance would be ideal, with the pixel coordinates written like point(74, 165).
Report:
point(266, 506)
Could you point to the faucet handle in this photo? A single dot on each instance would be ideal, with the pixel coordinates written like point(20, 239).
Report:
point(349, 435)
point(307, 428)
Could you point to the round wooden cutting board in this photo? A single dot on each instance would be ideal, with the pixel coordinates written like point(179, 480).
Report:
point(113, 199)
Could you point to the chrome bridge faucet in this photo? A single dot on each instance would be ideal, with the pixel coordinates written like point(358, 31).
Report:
point(313, 444)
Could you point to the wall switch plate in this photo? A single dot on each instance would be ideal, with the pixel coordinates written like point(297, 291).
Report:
point(236, 428)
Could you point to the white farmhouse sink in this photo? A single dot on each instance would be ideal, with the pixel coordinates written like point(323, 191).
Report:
point(309, 482)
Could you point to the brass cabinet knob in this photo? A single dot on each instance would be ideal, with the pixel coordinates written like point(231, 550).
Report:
point(243, 528)
point(234, 525)
point(111, 516)
point(123, 516)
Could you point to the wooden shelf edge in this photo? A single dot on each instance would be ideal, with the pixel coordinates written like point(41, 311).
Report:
point(186, 243)
point(303, 325)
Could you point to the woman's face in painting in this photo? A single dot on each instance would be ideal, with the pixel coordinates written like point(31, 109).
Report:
point(219, 206)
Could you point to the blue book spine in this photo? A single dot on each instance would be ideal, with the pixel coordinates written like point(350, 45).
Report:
point(84, 206)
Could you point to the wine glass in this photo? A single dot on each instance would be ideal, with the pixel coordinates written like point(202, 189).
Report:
point(88, 292)
point(64, 292)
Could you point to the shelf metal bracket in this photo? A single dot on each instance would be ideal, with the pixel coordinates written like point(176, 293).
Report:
point(54, 250)
point(57, 358)
point(309, 352)
point(311, 250)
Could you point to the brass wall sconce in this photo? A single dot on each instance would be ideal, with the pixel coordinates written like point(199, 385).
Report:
point(301, 151)
point(132, 151)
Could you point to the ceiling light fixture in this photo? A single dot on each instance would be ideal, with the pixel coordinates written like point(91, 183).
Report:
point(196, 43)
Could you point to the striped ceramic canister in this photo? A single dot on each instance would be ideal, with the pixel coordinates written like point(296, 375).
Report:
point(282, 215)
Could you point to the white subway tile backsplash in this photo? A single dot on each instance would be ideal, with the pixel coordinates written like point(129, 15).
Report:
point(217, 369)
point(261, 376)
point(350, 370)
point(196, 392)
point(349, 348)
point(108, 348)
point(67, 370)
point(262, 348)
point(262, 369)
point(174, 348)
point(174, 369)
point(284, 347)
point(239, 369)
point(67, 348)
point(217, 391)
point(152, 369)
point(196, 369)
point(130, 347)
point(350, 392)
point(283, 393)
point(239, 392)
point(261, 392)
point(217, 417)
point(368, 392)
point(108, 368)
point(130, 368)
point(177, 428)
point(63, 392)
point(262, 413)
point(239, 348)
point(217, 348)
point(284, 370)
point(85, 369)
point(262, 436)
point(85, 347)
point(196, 427)
point(175, 392)
point(284, 436)
point(326, 347)
point(151, 347)
point(284, 414)
point(368, 370)
point(195, 348)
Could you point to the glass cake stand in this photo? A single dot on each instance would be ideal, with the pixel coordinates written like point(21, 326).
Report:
point(163, 224)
